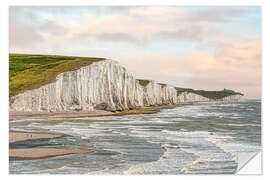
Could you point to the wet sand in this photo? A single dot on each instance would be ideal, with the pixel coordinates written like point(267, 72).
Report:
point(32, 153)
point(43, 152)
point(96, 113)
point(24, 136)
point(48, 115)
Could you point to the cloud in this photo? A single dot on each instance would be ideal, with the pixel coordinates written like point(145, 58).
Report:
point(237, 67)
point(117, 37)
point(218, 14)
point(186, 34)
point(28, 32)
point(134, 25)
point(22, 34)
point(149, 41)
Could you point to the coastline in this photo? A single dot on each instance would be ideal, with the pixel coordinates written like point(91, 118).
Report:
point(19, 136)
point(15, 116)
point(36, 153)
point(172, 129)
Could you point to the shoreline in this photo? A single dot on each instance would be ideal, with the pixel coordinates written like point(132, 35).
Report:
point(14, 116)
point(37, 153)
point(20, 136)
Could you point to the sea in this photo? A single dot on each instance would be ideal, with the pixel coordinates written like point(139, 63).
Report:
point(203, 138)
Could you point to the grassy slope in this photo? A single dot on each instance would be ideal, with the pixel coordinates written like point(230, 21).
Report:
point(28, 72)
point(209, 94)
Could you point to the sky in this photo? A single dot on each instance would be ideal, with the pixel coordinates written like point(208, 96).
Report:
point(197, 47)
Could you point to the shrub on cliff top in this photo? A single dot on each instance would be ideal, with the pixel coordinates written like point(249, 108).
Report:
point(143, 82)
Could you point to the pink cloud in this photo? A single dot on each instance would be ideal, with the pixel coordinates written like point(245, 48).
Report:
point(237, 66)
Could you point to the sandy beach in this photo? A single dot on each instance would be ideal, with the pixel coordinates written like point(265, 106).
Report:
point(20, 136)
point(15, 116)
point(43, 152)
point(24, 136)
point(48, 115)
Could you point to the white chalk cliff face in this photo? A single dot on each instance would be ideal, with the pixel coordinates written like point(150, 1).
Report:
point(232, 98)
point(191, 97)
point(157, 94)
point(187, 97)
point(101, 85)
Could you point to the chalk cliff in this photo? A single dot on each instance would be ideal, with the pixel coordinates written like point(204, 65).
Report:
point(190, 97)
point(158, 94)
point(232, 98)
point(101, 85)
point(187, 97)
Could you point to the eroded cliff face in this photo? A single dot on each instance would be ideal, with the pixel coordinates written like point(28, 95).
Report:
point(232, 98)
point(186, 97)
point(103, 82)
point(101, 85)
point(158, 94)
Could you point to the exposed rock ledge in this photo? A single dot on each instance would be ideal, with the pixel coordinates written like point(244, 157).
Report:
point(101, 85)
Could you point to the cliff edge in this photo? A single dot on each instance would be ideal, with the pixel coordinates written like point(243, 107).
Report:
point(102, 85)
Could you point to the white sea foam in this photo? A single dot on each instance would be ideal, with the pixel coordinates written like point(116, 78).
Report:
point(171, 162)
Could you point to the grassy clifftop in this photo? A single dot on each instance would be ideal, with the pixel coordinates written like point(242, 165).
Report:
point(209, 94)
point(28, 72)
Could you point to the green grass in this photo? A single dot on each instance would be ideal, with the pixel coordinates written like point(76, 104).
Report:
point(28, 71)
point(143, 82)
point(209, 94)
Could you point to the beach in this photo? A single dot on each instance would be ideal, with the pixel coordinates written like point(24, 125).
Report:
point(32, 153)
point(43, 152)
point(14, 116)
point(24, 136)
